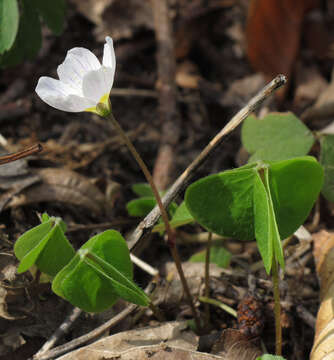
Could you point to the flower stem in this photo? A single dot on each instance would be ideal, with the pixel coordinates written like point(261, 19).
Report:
point(169, 231)
point(277, 308)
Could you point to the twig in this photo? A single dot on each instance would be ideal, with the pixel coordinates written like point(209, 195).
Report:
point(253, 104)
point(62, 330)
point(168, 112)
point(62, 349)
point(21, 154)
point(144, 266)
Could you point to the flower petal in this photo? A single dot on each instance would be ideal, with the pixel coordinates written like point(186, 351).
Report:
point(86, 58)
point(78, 62)
point(98, 83)
point(109, 59)
point(60, 95)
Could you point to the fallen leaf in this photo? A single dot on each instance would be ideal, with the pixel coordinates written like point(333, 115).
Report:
point(323, 346)
point(61, 185)
point(233, 345)
point(172, 340)
point(273, 34)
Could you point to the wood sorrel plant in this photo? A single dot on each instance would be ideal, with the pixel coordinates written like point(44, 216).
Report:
point(266, 201)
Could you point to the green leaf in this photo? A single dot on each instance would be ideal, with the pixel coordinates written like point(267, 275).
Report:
point(125, 288)
point(29, 38)
point(9, 23)
point(89, 286)
point(140, 207)
point(223, 203)
point(53, 13)
point(181, 217)
point(294, 185)
point(142, 190)
point(278, 136)
point(39, 245)
point(266, 231)
point(270, 357)
point(218, 255)
point(327, 161)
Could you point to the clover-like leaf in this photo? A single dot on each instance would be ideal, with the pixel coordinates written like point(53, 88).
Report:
point(218, 255)
point(266, 201)
point(278, 136)
point(44, 246)
point(96, 285)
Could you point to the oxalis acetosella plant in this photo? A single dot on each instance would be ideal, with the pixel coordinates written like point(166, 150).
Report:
point(266, 201)
point(99, 273)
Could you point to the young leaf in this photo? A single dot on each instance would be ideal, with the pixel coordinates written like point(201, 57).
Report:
point(53, 13)
point(140, 207)
point(218, 255)
point(262, 223)
point(294, 186)
point(125, 288)
point(39, 245)
point(88, 286)
point(9, 23)
point(327, 161)
point(276, 137)
point(270, 357)
point(181, 217)
point(142, 190)
point(266, 231)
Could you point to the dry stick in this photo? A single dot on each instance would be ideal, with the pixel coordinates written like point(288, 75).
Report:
point(34, 149)
point(169, 231)
point(62, 330)
point(168, 111)
point(150, 220)
point(62, 349)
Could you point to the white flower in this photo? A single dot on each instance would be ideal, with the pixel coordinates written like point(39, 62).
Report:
point(83, 81)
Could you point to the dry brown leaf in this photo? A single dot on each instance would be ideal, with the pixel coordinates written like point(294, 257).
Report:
point(323, 347)
point(171, 340)
point(61, 185)
point(234, 345)
point(273, 34)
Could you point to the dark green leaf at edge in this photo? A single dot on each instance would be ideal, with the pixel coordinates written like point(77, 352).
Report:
point(9, 23)
point(327, 161)
point(28, 40)
point(53, 13)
